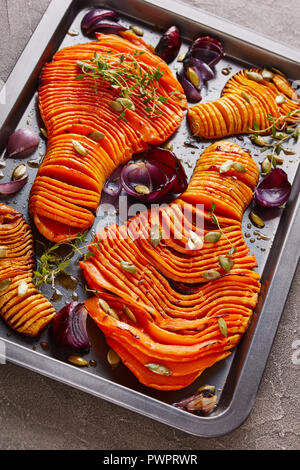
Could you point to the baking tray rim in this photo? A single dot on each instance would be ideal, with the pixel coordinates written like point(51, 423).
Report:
point(244, 396)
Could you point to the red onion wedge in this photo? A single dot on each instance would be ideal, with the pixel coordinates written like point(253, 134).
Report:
point(192, 94)
point(68, 328)
point(207, 49)
point(203, 401)
point(95, 15)
point(204, 69)
point(159, 173)
point(106, 27)
point(274, 190)
point(12, 187)
point(22, 143)
point(169, 44)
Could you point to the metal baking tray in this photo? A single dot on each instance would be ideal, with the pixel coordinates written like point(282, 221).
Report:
point(237, 378)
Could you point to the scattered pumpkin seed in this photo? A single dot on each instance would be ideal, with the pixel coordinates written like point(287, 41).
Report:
point(194, 242)
point(239, 167)
point(169, 146)
point(112, 358)
point(79, 148)
point(223, 326)
point(257, 77)
point(1, 174)
point(279, 135)
point(129, 313)
point(72, 33)
point(19, 172)
point(212, 237)
point(266, 166)
point(44, 132)
point(3, 251)
point(288, 152)
point(78, 361)
point(142, 189)
point(4, 284)
point(22, 288)
point(96, 136)
point(2, 164)
point(155, 235)
point(225, 71)
point(259, 140)
point(192, 76)
point(279, 72)
point(211, 275)
point(245, 96)
point(137, 30)
point(126, 103)
point(107, 309)
point(204, 388)
point(256, 220)
point(280, 99)
point(226, 263)
point(273, 156)
point(158, 369)
point(267, 74)
point(180, 58)
point(226, 166)
point(128, 267)
point(116, 106)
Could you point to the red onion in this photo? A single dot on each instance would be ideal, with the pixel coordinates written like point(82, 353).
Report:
point(68, 328)
point(94, 15)
point(12, 187)
point(274, 190)
point(203, 401)
point(204, 69)
point(22, 143)
point(191, 93)
point(149, 180)
point(106, 27)
point(169, 44)
point(207, 49)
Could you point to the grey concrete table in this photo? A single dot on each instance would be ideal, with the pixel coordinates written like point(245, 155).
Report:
point(38, 413)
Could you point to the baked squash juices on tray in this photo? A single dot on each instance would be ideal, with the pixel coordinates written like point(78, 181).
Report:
point(173, 287)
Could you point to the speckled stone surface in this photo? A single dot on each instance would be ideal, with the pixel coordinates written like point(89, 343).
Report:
point(39, 413)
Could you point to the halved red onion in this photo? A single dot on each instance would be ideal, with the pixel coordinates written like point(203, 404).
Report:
point(94, 15)
point(158, 173)
point(169, 44)
point(12, 187)
point(106, 27)
point(113, 185)
point(204, 69)
point(191, 93)
point(274, 190)
point(207, 49)
point(22, 143)
point(68, 328)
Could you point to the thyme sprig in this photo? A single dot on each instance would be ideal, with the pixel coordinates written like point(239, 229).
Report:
point(215, 221)
point(124, 73)
point(52, 263)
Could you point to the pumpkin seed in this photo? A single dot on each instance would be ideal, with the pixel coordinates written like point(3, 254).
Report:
point(169, 146)
point(245, 96)
point(1, 174)
point(72, 33)
point(211, 275)
point(226, 166)
point(287, 152)
point(212, 237)
point(19, 172)
point(259, 140)
point(267, 74)
point(79, 148)
point(116, 106)
point(128, 267)
point(226, 263)
point(158, 369)
point(193, 77)
point(142, 189)
point(137, 30)
point(239, 167)
point(204, 388)
point(280, 99)
point(78, 361)
point(279, 135)
point(107, 309)
point(223, 326)
point(129, 313)
point(256, 220)
point(279, 72)
point(22, 288)
point(266, 165)
point(4, 284)
point(44, 132)
point(112, 358)
point(3, 251)
point(257, 77)
point(155, 235)
point(2, 164)
point(194, 242)
point(126, 103)
point(180, 58)
point(96, 136)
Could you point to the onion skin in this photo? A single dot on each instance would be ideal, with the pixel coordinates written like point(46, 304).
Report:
point(274, 190)
point(68, 328)
point(106, 27)
point(22, 143)
point(93, 15)
point(169, 45)
point(12, 187)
